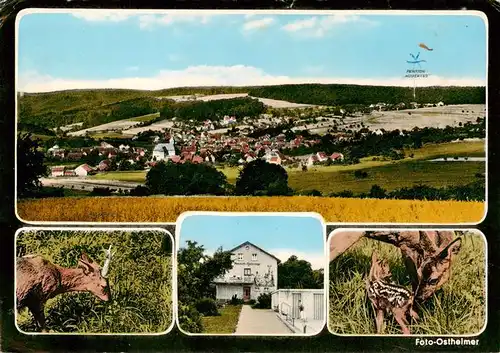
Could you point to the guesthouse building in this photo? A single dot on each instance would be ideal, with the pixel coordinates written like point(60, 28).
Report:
point(255, 271)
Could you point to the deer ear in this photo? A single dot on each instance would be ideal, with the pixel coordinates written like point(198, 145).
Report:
point(428, 246)
point(85, 258)
point(451, 249)
point(85, 266)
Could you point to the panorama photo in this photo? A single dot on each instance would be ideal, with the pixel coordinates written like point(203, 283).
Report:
point(358, 116)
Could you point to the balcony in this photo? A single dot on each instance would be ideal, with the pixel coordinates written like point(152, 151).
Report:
point(235, 279)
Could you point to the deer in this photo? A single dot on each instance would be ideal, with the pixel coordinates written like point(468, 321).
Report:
point(387, 297)
point(427, 255)
point(38, 280)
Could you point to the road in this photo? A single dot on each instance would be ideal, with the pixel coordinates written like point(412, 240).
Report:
point(81, 183)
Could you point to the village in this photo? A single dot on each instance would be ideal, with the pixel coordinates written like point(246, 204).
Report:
point(227, 142)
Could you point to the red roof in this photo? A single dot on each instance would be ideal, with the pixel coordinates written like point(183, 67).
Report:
point(57, 169)
point(336, 155)
point(197, 159)
point(321, 154)
point(86, 167)
point(175, 159)
point(274, 159)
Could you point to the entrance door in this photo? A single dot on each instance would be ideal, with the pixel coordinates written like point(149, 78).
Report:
point(319, 306)
point(246, 293)
point(296, 298)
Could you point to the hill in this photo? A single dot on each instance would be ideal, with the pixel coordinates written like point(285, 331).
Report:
point(100, 106)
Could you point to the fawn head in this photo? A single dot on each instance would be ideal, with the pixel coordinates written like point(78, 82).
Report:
point(380, 269)
point(435, 269)
point(93, 279)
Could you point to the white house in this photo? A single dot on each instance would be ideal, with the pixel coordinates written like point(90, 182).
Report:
point(286, 302)
point(83, 170)
point(255, 271)
point(164, 151)
point(57, 171)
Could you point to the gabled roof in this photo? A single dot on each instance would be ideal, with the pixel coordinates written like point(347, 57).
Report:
point(248, 243)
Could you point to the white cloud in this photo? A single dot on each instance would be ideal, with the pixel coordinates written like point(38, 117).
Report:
point(258, 24)
point(318, 26)
point(150, 21)
point(237, 75)
point(101, 15)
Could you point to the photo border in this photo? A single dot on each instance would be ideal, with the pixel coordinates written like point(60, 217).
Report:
point(311, 215)
point(416, 336)
point(475, 13)
point(97, 229)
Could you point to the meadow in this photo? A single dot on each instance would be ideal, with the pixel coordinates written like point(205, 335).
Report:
point(140, 279)
point(167, 209)
point(226, 322)
point(390, 175)
point(458, 308)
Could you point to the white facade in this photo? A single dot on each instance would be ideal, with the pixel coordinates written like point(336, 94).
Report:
point(164, 151)
point(254, 272)
point(286, 303)
point(83, 170)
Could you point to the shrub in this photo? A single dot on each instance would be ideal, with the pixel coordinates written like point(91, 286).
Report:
point(251, 302)
point(207, 307)
point(140, 190)
point(263, 301)
point(360, 174)
point(97, 191)
point(189, 319)
point(235, 300)
point(313, 192)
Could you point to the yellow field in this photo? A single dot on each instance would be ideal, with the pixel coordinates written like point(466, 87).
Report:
point(167, 209)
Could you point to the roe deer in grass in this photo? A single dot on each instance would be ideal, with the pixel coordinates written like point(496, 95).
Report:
point(38, 280)
point(387, 297)
point(427, 256)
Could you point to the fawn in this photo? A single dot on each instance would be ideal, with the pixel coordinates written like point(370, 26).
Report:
point(39, 280)
point(387, 297)
point(427, 256)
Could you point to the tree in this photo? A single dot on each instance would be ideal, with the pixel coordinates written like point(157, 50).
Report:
point(261, 178)
point(295, 273)
point(30, 167)
point(185, 179)
point(196, 273)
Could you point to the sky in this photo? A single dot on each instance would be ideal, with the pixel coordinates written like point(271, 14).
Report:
point(106, 49)
point(281, 236)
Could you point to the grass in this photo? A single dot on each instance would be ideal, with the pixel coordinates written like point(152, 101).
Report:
point(106, 135)
point(458, 308)
point(225, 323)
point(138, 176)
point(140, 279)
point(167, 209)
point(390, 177)
point(147, 117)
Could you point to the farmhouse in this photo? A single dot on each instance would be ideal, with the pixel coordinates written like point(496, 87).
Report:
point(57, 171)
point(83, 170)
point(255, 271)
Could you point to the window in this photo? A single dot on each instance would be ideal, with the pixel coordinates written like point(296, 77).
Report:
point(247, 271)
point(240, 256)
point(254, 257)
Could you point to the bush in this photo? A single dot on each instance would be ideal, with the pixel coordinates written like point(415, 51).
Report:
point(97, 191)
point(207, 307)
point(263, 301)
point(190, 319)
point(140, 190)
point(360, 174)
point(251, 302)
point(235, 300)
point(313, 192)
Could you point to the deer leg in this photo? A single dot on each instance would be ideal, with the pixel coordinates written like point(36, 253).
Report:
point(39, 315)
point(379, 321)
point(399, 315)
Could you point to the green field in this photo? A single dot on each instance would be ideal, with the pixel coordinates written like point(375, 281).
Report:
point(147, 117)
point(140, 281)
point(390, 175)
point(458, 308)
point(225, 323)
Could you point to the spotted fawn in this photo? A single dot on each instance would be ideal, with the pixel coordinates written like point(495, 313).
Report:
point(387, 297)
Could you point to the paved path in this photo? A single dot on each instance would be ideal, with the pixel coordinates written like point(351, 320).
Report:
point(260, 321)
